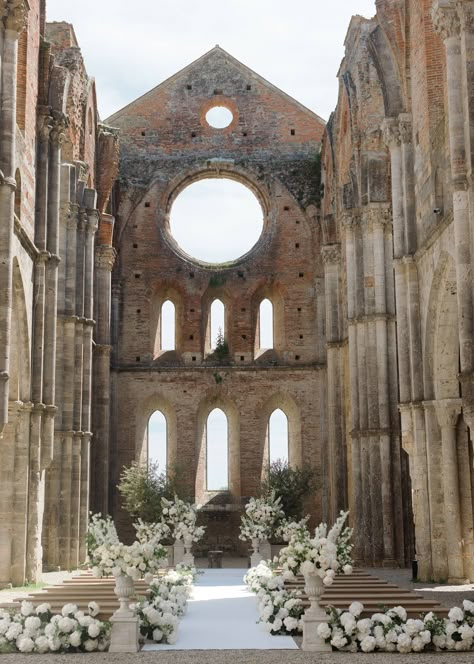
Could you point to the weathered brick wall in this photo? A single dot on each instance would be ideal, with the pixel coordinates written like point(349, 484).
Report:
point(272, 146)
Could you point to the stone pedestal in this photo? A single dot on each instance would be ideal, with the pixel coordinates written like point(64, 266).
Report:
point(188, 558)
point(178, 552)
point(125, 634)
point(314, 616)
point(265, 549)
point(255, 558)
point(125, 629)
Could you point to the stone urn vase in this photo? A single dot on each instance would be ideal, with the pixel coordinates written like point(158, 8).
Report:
point(256, 557)
point(125, 629)
point(188, 558)
point(314, 615)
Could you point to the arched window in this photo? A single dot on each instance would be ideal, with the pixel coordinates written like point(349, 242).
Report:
point(217, 451)
point(217, 323)
point(278, 436)
point(168, 326)
point(266, 325)
point(157, 434)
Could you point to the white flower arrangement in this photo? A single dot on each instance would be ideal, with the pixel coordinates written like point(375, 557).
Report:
point(37, 630)
point(151, 532)
point(393, 631)
point(260, 518)
point(325, 554)
point(101, 530)
point(181, 518)
point(159, 614)
point(288, 529)
point(137, 560)
point(281, 610)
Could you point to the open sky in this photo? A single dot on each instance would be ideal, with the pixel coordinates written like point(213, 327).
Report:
point(130, 47)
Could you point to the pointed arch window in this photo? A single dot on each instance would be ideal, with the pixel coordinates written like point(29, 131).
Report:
point(217, 323)
point(157, 436)
point(266, 324)
point(278, 441)
point(168, 326)
point(217, 451)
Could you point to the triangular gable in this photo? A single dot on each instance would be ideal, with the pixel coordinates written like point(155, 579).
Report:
point(236, 63)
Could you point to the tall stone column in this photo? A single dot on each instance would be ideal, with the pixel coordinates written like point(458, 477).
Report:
point(447, 22)
point(357, 497)
point(15, 19)
point(100, 452)
point(448, 411)
point(337, 457)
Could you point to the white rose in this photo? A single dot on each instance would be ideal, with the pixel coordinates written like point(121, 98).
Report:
point(25, 644)
point(42, 644)
point(93, 630)
point(42, 608)
point(456, 614)
point(75, 639)
point(90, 645)
point(69, 609)
point(27, 608)
point(367, 644)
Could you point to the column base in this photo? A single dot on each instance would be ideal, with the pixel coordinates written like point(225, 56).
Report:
point(125, 633)
point(312, 642)
point(456, 581)
point(390, 562)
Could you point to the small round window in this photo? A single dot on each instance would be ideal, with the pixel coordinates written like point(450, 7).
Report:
point(219, 117)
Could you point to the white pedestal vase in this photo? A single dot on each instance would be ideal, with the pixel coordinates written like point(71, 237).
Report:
point(265, 549)
point(314, 615)
point(178, 552)
point(188, 558)
point(125, 630)
point(255, 558)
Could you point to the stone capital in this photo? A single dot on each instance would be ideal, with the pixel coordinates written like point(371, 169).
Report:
point(391, 132)
point(92, 221)
point(377, 216)
point(446, 19)
point(16, 16)
point(350, 219)
point(405, 123)
point(331, 254)
point(105, 257)
point(447, 411)
point(43, 127)
point(59, 124)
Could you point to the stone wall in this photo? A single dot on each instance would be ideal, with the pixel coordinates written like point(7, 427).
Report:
point(272, 147)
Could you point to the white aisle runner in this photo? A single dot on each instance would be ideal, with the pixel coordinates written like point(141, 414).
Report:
point(222, 615)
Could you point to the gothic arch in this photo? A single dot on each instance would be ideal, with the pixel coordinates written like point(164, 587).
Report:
point(161, 294)
point(277, 294)
point(288, 405)
point(143, 413)
point(209, 296)
point(208, 404)
point(441, 366)
point(384, 61)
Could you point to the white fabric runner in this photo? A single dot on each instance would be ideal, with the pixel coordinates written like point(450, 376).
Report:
point(222, 615)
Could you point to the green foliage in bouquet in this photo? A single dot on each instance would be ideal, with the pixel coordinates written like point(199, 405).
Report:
point(142, 488)
point(292, 485)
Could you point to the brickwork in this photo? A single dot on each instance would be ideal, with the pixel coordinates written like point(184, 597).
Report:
point(272, 147)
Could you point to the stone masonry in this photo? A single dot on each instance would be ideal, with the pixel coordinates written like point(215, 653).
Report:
point(366, 255)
